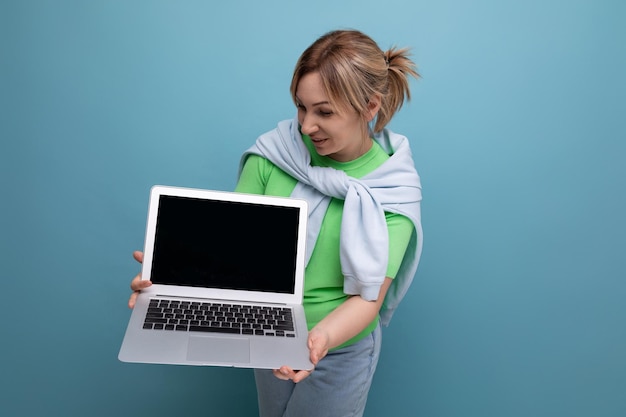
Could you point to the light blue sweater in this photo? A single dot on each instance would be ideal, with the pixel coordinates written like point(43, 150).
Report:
point(394, 187)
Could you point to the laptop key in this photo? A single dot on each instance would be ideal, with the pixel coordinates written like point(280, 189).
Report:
point(208, 329)
point(155, 320)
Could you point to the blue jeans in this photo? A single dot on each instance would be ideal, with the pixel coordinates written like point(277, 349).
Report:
point(338, 386)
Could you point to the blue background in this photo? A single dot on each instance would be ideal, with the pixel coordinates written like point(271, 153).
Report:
point(517, 128)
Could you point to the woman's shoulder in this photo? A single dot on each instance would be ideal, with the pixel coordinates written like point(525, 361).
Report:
point(261, 176)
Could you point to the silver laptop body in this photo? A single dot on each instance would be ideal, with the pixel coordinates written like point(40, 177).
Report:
point(225, 269)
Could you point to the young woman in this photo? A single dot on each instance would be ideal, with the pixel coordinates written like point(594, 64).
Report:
point(364, 237)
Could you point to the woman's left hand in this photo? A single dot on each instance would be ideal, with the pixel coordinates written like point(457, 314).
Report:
point(318, 346)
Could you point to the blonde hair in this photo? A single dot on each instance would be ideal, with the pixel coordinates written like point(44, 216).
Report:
point(353, 69)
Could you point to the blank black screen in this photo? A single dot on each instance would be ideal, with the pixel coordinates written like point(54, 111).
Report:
point(223, 244)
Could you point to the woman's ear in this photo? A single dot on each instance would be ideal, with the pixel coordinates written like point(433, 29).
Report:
point(373, 105)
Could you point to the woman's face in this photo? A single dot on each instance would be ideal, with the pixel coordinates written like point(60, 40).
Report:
point(338, 135)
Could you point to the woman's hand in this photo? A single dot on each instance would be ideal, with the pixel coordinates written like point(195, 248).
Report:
point(318, 347)
point(343, 323)
point(137, 284)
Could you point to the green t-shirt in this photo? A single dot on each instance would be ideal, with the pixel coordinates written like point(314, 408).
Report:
point(323, 284)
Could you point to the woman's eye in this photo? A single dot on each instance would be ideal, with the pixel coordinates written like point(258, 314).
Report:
point(326, 113)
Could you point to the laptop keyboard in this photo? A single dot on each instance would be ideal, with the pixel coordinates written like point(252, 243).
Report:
point(192, 316)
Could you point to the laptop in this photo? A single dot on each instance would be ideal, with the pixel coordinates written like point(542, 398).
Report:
point(228, 276)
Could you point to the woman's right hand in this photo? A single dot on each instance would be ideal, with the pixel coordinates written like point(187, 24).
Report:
point(137, 284)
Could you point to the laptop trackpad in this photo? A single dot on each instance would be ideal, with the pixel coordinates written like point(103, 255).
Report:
point(218, 349)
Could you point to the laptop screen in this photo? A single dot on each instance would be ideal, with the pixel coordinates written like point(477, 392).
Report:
point(225, 244)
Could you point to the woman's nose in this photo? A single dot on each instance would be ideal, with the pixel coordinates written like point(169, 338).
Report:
point(308, 125)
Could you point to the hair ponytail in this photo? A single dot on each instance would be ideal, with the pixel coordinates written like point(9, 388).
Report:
point(399, 68)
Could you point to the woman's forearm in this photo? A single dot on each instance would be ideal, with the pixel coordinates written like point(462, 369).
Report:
point(351, 317)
